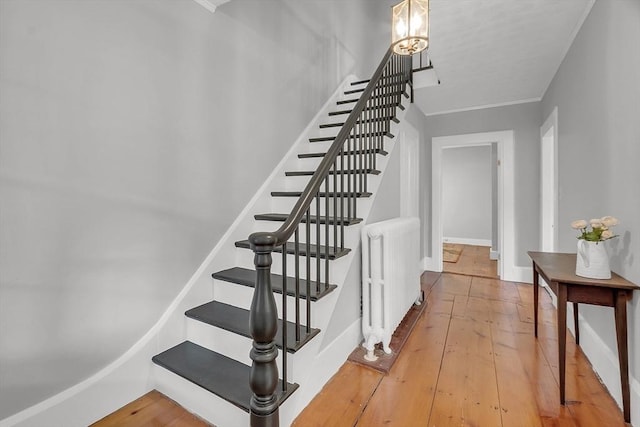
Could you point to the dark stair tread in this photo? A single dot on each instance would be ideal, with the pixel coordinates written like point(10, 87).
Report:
point(347, 101)
point(360, 135)
point(368, 80)
point(348, 153)
point(302, 249)
point(236, 320)
point(352, 100)
point(312, 219)
point(247, 277)
point(339, 112)
point(320, 194)
point(340, 124)
point(332, 172)
point(214, 372)
point(352, 91)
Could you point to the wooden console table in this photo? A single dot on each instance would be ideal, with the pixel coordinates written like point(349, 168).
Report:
point(558, 270)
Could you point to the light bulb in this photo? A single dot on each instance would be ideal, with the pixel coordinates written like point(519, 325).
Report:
point(401, 28)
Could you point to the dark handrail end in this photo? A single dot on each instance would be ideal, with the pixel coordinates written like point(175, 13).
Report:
point(263, 241)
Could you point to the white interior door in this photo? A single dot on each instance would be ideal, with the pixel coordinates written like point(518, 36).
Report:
point(549, 183)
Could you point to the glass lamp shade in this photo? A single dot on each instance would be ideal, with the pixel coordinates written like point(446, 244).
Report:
point(410, 26)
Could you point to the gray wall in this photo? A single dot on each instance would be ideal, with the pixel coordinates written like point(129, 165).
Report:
point(467, 193)
point(599, 148)
point(525, 121)
point(132, 134)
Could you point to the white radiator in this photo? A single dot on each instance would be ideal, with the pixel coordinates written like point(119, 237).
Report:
point(390, 278)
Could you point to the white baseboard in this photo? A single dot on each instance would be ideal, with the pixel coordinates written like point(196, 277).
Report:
point(465, 241)
point(429, 265)
point(520, 274)
point(494, 255)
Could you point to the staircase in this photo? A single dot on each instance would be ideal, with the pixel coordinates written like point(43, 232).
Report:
point(312, 251)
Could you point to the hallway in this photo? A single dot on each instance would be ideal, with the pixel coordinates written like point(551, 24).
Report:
point(471, 360)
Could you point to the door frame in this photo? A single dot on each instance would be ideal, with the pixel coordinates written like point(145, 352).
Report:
point(506, 226)
point(549, 169)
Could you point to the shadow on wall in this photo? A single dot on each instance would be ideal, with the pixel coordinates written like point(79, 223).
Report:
point(620, 253)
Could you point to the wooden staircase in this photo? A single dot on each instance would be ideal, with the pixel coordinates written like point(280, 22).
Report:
point(230, 379)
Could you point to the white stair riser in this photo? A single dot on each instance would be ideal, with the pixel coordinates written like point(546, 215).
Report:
point(219, 340)
point(198, 400)
point(245, 259)
point(349, 232)
point(227, 343)
point(241, 296)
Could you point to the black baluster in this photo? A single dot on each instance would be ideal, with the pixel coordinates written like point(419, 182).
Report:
point(318, 244)
point(284, 320)
point(308, 265)
point(296, 255)
point(342, 198)
point(326, 233)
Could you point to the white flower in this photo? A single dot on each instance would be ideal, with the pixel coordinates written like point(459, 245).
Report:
point(606, 234)
point(595, 223)
point(579, 224)
point(609, 221)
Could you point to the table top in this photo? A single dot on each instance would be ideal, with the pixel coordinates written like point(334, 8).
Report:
point(561, 267)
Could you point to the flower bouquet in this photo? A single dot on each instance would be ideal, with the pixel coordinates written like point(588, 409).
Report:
point(600, 229)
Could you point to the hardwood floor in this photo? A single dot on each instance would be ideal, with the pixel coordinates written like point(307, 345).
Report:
point(473, 261)
point(472, 360)
point(154, 409)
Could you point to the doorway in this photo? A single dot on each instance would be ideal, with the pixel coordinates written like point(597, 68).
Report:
point(505, 207)
point(469, 207)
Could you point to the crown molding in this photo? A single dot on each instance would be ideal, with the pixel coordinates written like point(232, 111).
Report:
point(482, 107)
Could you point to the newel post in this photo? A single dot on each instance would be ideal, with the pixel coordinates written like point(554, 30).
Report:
point(263, 323)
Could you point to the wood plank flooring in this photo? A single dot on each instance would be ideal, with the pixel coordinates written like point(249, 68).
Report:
point(473, 261)
point(154, 409)
point(471, 360)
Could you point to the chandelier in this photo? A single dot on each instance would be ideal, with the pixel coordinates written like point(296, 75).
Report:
point(410, 26)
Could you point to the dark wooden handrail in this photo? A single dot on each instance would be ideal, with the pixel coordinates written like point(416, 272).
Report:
point(287, 229)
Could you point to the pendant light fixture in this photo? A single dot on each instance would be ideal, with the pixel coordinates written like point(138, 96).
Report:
point(410, 26)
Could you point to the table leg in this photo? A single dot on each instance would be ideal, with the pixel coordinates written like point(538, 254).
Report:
point(623, 357)
point(535, 300)
point(575, 322)
point(562, 336)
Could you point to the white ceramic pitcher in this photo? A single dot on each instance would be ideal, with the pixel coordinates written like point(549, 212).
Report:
point(592, 260)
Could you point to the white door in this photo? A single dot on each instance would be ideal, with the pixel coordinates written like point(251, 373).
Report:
point(549, 184)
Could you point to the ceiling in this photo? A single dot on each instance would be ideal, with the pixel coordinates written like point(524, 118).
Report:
point(496, 52)
point(491, 52)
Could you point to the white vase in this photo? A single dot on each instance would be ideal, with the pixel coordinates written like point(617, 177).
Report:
point(592, 260)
